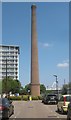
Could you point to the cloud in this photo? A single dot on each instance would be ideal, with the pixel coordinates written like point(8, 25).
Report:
point(46, 45)
point(64, 64)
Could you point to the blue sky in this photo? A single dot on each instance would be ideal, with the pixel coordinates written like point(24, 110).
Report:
point(36, 0)
point(52, 34)
point(0, 22)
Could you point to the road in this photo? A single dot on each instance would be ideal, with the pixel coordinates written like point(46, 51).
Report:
point(35, 109)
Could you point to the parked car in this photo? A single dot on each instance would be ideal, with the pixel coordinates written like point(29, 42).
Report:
point(6, 108)
point(50, 99)
point(69, 111)
point(62, 105)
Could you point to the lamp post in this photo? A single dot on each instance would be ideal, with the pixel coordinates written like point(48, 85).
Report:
point(6, 76)
point(56, 85)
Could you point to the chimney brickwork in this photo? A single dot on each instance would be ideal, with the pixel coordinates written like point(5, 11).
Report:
point(35, 85)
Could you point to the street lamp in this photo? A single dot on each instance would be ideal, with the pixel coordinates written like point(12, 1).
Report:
point(6, 76)
point(56, 84)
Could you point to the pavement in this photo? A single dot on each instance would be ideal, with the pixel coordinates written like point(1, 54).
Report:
point(35, 109)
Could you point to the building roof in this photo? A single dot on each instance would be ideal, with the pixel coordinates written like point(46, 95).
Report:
point(9, 45)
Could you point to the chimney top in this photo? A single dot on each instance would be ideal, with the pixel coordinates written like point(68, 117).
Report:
point(33, 6)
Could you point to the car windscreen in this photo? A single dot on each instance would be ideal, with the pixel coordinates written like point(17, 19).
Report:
point(68, 98)
point(4, 101)
point(52, 97)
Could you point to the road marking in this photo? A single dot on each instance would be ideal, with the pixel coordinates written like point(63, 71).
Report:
point(30, 106)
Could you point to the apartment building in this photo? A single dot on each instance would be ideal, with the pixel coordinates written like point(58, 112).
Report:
point(9, 62)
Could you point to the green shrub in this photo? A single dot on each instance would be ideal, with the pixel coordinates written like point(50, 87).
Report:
point(15, 98)
point(40, 97)
point(12, 97)
point(34, 97)
point(25, 97)
point(19, 97)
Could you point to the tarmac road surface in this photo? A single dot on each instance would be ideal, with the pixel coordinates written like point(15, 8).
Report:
point(35, 109)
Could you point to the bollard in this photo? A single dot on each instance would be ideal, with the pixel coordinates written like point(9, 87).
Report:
point(30, 98)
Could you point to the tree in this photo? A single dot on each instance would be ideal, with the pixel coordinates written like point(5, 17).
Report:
point(27, 89)
point(70, 85)
point(42, 89)
point(16, 86)
point(22, 91)
point(6, 84)
point(10, 85)
point(66, 87)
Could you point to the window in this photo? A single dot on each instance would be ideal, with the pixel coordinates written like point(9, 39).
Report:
point(11, 48)
point(5, 48)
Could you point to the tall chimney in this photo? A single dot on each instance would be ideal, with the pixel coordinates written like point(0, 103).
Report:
point(35, 85)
